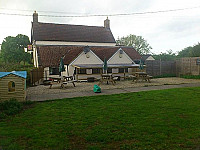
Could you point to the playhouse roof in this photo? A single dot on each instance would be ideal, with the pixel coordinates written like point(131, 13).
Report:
point(22, 74)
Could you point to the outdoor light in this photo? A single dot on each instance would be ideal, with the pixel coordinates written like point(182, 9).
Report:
point(86, 49)
point(121, 51)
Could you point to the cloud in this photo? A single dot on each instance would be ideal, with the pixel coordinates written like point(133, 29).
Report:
point(184, 25)
point(163, 31)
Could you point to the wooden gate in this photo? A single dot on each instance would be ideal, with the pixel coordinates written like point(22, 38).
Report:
point(36, 75)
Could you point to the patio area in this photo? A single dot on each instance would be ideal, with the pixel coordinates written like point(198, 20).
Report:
point(86, 86)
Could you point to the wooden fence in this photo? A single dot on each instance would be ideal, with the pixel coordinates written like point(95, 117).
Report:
point(158, 67)
point(36, 75)
point(188, 66)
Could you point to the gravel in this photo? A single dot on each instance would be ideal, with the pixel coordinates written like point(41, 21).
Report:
point(85, 86)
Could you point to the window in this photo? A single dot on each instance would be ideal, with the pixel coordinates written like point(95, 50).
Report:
point(96, 70)
point(89, 71)
point(121, 70)
point(82, 71)
point(53, 71)
point(11, 86)
point(109, 70)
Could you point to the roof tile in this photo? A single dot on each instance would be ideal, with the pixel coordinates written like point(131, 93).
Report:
point(71, 33)
point(49, 56)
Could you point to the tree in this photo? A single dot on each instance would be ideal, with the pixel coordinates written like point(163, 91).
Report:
point(191, 51)
point(169, 55)
point(138, 42)
point(185, 52)
point(195, 51)
point(12, 49)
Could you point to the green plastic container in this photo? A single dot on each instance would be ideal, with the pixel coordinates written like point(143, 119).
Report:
point(96, 89)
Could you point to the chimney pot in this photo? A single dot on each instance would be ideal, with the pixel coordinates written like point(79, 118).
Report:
point(35, 17)
point(107, 23)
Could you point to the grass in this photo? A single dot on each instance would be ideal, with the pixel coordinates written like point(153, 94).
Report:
point(165, 119)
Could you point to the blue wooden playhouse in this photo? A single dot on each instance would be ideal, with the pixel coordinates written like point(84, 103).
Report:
point(13, 85)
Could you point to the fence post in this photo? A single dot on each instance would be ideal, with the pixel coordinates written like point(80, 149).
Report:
point(152, 68)
point(176, 70)
point(160, 67)
point(190, 66)
point(182, 67)
point(199, 69)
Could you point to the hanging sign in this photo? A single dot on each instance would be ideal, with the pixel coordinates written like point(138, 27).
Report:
point(29, 47)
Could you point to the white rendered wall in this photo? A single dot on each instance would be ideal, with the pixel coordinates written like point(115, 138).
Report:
point(73, 43)
point(118, 58)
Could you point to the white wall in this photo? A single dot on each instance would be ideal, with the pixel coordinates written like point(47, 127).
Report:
point(150, 58)
point(46, 72)
point(35, 57)
point(89, 58)
point(73, 43)
point(118, 58)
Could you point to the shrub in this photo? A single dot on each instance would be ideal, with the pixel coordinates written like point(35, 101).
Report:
point(165, 76)
point(10, 107)
point(190, 76)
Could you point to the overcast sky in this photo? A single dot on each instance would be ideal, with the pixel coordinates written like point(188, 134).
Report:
point(173, 30)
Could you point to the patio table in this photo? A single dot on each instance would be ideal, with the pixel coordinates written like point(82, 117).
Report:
point(62, 80)
point(142, 76)
point(107, 78)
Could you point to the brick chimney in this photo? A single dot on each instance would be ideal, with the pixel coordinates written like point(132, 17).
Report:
point(107, 23)
point(35, 17)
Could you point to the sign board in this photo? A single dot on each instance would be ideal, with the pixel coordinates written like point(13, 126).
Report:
point(29, 47)
point(198, 61)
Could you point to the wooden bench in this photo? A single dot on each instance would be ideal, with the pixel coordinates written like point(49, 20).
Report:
point(143, 76)
point(66, 82)
point(107, 78)
point(148, 78)
point(50, 83)
point(116, 78)
point(131, 77)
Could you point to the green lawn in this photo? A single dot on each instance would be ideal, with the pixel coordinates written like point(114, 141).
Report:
point(165, 119)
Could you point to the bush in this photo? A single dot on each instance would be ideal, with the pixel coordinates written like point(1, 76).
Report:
point(190, 76)
point(165, 76)
point(10, 107)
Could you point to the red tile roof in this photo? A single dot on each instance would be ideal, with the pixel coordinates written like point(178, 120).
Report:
point(107, 52)
point(49, 56)
point(71, 33)
point(132, 53)
point(104, 52)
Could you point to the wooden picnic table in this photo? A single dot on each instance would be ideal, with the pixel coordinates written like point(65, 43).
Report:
point(107, 78)
point(142, 76)
point(62, 80)
point(67, 79)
